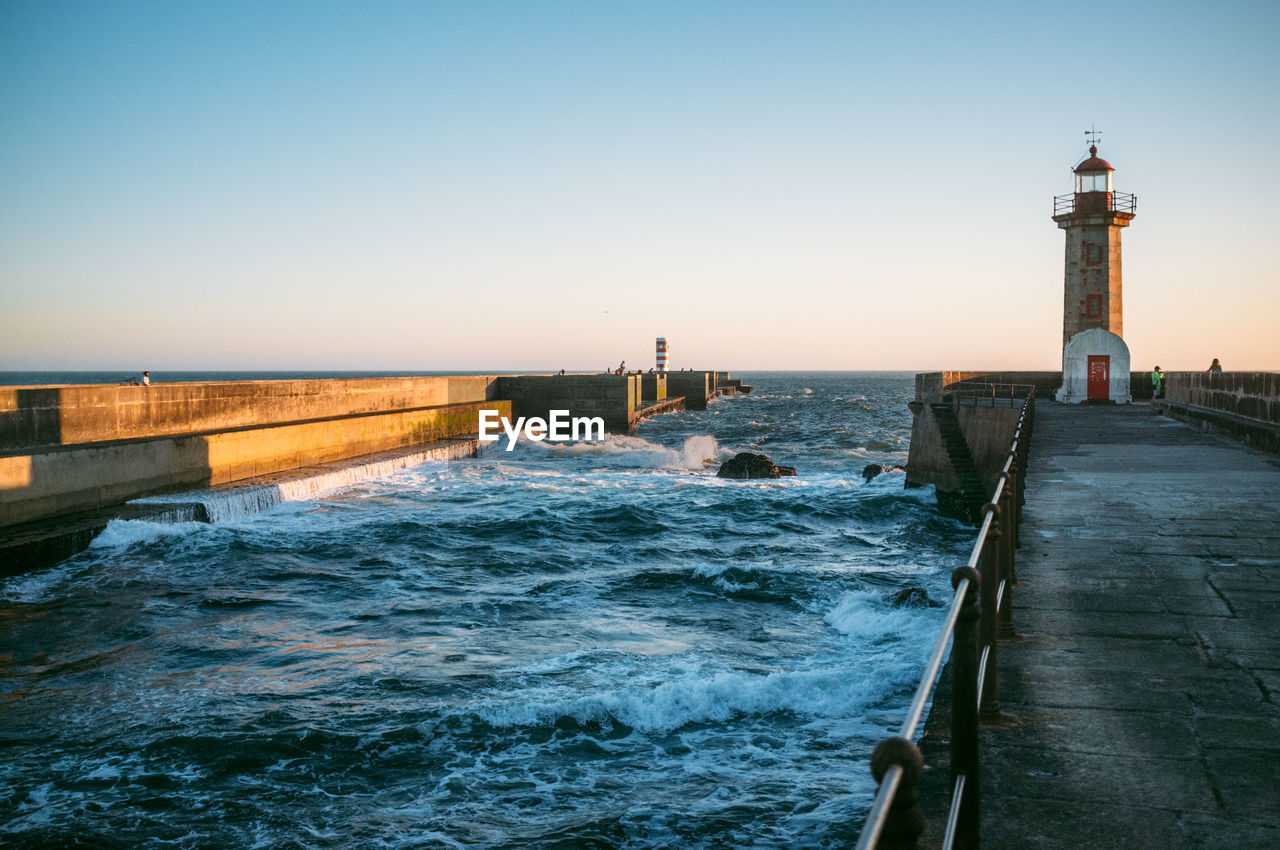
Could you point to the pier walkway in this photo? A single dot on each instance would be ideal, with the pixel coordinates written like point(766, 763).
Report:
point(1142, 694)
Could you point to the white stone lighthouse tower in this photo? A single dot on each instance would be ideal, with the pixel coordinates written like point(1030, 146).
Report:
point(1095, 359)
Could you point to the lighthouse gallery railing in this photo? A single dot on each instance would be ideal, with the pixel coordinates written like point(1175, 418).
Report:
point(981, 612)
point(1122, 202)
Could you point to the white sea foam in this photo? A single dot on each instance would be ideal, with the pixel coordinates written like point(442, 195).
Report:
point(630, 451)
point(734, 587)
point(235, 502)
point(864, 615)
point(837, 690)
point(35, 587)
point(127, 532)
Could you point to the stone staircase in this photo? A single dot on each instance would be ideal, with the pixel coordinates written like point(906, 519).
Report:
point(968, 501)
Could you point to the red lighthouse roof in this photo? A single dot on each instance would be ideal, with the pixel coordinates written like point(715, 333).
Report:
point(1093, 163)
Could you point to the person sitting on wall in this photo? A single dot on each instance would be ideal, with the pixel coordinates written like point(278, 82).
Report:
point(1215, 367)
point(622, 368)
point(1157, 383)
point(146, 379)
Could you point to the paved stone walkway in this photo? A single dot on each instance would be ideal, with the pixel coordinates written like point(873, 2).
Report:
point(1143, 690)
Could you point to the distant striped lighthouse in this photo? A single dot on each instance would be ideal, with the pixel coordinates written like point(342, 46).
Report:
point(662, 354)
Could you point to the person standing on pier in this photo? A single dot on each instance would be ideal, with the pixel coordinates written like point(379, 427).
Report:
point(1157, 383)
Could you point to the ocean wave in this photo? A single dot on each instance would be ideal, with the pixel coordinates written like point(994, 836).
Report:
point(834, 690)
point(36, 587)
point(121, 533)
point(864, 615)
point(630, 451)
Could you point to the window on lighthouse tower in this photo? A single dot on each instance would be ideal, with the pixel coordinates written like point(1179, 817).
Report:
point(1093, 181)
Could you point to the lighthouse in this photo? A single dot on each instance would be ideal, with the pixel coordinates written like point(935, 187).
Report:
point(1095, 359)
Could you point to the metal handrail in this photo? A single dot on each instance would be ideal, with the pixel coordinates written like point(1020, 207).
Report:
point(990, 570)
point(986, 387)
point(973, 393)
point(1122, 202)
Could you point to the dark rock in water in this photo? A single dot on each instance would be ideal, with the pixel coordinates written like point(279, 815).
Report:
point(871, 470)
point(748, 465)
point(913, 597)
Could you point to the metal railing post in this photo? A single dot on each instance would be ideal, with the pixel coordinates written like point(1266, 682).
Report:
point(1015, 504)
point(989, 624)
point(903, 823)
point(1008, 533)
point(964, 708)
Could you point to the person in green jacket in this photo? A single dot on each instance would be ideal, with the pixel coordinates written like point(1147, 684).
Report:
point(1157, 383)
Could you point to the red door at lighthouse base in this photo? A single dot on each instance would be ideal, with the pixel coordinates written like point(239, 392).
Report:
point(1099, 377)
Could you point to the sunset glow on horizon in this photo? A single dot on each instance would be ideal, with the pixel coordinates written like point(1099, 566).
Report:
point(554, 185)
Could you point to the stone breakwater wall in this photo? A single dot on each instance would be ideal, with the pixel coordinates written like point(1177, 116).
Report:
point(960, 447)
point(77, 448)
point(620, 400)
point(696, 387)
point(613, 398)
point(1241, 405)
point(67, 449)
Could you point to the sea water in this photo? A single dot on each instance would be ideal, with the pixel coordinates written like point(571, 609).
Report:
point(598, 644)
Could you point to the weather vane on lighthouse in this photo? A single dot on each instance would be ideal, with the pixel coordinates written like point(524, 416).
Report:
point(1092, 135)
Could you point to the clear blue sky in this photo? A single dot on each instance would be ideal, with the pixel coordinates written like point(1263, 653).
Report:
point(470, 185)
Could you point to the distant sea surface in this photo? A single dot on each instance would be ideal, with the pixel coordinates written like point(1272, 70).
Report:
point(598, 644)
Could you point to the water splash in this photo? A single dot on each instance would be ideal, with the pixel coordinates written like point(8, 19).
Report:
point(625, 450)
point(224, 504)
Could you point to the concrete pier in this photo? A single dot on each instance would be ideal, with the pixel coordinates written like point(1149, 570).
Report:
point(67, 449)
point(963, 422)
point(620, 400)
point(696, 387)
point(71, 456)
point(1141, 698)
point(35, 544)
point(613, 398)
point(653, 386)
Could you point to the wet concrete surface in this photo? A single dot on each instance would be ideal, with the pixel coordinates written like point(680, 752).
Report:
point(1141, 696)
